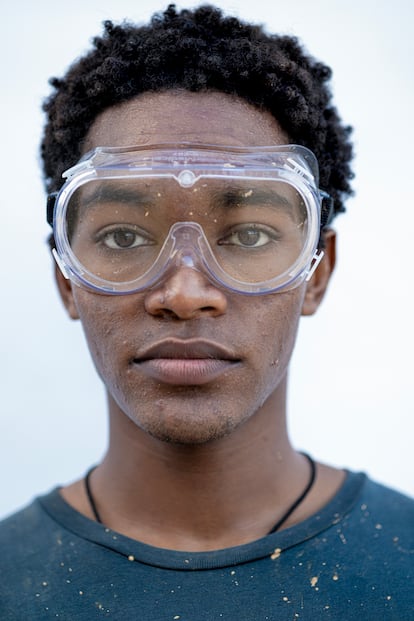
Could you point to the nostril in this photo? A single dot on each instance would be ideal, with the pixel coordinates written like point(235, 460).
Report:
point(167, 313)
point(164, 313)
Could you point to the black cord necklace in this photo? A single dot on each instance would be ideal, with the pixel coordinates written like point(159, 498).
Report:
point(90, 496)
point(279, 523)
point(301, 498)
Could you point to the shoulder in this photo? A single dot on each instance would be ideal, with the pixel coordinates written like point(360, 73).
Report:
point(23, 534)
point(37, 550)
point(388, 506)
point(26, 521)
point(378, 512)
point(378, 536)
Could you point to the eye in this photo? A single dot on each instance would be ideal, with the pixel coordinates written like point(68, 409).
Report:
point(249, 236)
point(123, 238)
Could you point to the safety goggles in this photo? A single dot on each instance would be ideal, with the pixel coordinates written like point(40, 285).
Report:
point(249, 218)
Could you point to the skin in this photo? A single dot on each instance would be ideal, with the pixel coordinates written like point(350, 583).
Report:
point(187, 466)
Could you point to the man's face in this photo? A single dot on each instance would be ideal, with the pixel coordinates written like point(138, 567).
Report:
point(186, 361)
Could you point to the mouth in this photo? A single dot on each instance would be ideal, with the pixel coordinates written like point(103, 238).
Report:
point(192, 362)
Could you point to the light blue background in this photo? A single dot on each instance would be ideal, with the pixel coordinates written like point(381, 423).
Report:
point(351, 397)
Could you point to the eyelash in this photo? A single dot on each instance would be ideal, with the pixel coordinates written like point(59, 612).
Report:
point(104, 235)
point(139, 239)
point(271, 234)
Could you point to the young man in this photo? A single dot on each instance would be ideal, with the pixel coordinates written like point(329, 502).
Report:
point(191, 232)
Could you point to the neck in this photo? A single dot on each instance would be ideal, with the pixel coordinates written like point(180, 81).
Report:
point(199, 496)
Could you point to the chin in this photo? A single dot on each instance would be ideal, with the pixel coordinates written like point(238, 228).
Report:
point(187, 438)
point(187, 417)
point(189, 431)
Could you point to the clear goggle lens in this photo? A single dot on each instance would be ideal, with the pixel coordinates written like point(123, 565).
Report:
point(123, 231)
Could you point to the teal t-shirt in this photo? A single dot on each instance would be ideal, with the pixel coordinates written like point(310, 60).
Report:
point(354, 560)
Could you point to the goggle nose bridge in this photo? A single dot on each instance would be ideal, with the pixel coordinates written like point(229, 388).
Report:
point(187, 251)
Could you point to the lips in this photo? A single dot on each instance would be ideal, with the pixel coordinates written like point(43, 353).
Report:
point(186, 362)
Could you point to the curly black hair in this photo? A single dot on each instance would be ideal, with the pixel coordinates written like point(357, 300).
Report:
point(200, 50)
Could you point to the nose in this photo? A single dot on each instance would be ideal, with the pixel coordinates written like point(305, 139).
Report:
point(186, 294)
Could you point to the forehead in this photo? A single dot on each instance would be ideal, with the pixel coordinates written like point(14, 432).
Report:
point(181, 116)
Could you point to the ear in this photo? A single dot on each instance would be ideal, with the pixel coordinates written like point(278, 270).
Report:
point(66, 293)
point(318, 284)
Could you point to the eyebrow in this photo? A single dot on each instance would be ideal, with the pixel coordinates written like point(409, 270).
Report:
point(228, 198)
point(107, 193)
point(236, 197)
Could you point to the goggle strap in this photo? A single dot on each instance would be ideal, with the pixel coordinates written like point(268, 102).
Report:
point(327, 208)
point(50, 207)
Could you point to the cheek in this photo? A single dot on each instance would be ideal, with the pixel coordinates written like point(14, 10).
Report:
point(103, 322)
point(276, 329)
